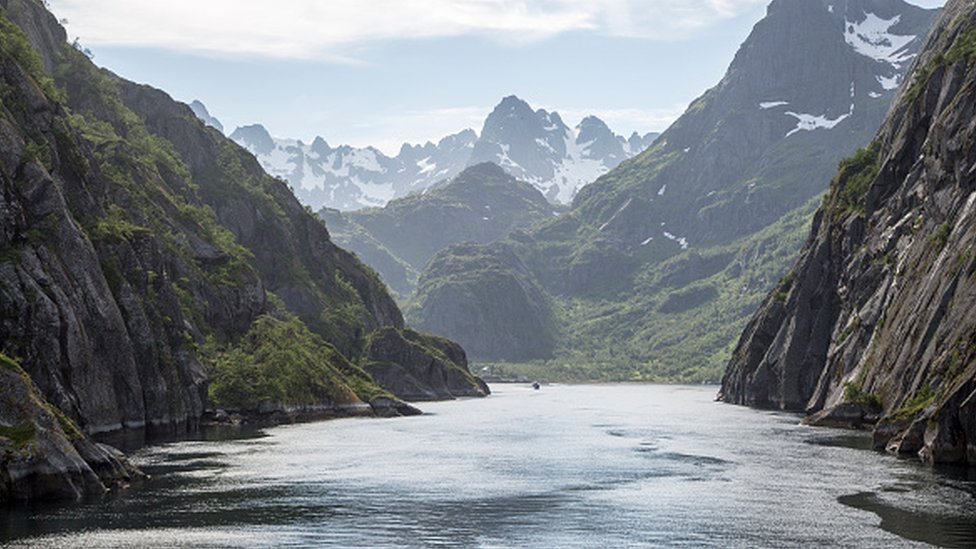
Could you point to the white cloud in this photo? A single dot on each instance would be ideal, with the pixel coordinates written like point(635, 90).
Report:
point(334, 29)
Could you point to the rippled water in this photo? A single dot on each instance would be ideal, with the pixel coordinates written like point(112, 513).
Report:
point(566, 466)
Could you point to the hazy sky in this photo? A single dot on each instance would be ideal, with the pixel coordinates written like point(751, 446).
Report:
point(381, 72)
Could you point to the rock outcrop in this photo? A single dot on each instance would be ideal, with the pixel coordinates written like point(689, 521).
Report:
point(416, 366)
point(43, 455)
point(876, 324)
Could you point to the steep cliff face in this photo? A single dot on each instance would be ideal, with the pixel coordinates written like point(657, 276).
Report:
point(877, 320)
point(45, 456)
point(144, 261)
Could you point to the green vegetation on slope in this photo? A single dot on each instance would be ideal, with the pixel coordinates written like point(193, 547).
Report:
point(280, 362)
point(163, 243)
point(849, 189)
point(22, 433)
point(681, 325)
point(482, 204)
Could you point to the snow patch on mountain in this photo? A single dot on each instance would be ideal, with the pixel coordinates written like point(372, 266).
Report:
point(873, 38)
point(576, 169)
point(889, 82)
point(810, 122)
point(682, 241)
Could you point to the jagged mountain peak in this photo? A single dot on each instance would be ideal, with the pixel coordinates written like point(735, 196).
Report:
point(320, 146)
point(201, 112)
point(538, 147)
point(466, 136)
point(795, 82)
point(534, 145)
point(512, 103)
point(255, 138)
point(661, 259)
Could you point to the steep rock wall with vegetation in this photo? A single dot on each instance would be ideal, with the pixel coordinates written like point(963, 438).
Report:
point(139, 252)
point(876, 325)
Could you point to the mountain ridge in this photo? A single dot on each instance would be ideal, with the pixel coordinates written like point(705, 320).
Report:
point(482, 204)
point(555, 158)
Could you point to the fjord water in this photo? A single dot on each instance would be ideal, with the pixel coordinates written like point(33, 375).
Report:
point(565, 466)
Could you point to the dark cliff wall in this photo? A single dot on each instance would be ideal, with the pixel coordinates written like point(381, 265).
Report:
point(877, 320)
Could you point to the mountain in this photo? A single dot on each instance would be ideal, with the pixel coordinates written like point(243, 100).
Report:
point(534, 146)
point(151, 272)
point(658, 264)
point(876, 322)
point(200, 110)
point(537, 147)
point(349, 178)
point(481, 204)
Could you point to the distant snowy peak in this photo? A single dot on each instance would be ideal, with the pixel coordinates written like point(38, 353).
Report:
point(532, 145)
point(350, 178)
point(538, 147)
point(200, 110)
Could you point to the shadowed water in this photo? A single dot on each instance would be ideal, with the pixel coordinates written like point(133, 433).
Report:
point(566, 466)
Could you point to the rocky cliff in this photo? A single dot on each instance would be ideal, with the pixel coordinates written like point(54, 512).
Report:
point(145, 260)
point(876, 322)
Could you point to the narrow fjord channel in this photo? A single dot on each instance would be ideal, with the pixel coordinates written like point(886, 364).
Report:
point(565, 466)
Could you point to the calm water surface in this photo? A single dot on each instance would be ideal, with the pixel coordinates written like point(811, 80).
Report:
point(566, 466)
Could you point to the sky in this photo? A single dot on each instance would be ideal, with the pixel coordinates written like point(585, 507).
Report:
point(385, 72)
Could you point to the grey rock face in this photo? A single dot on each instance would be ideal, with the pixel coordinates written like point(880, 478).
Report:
point(881, 308)
point(44, 456)
point(418, 367)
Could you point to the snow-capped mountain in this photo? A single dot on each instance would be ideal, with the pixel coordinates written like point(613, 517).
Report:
point(534, 146)
point(538, 147)
point(350, 178)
